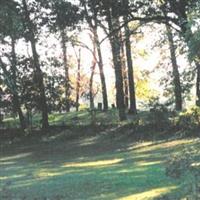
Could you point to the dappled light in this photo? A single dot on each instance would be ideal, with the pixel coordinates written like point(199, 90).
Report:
point(136, 172)
point(164, 145)
point(7, 163)
point(15, 157)
point(149, 194)
point(98, 163)
point(46, 174)
point(88, 141)
point(144, 163)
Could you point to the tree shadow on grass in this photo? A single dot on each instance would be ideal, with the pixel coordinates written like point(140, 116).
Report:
point(100, 179)
point(88, 168)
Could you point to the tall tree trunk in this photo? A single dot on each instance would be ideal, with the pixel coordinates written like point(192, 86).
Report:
point(91, 92)
point(198, 84)
point(16, 100)
point(93, 26)
point(101, 70)
point(67, 81)
point(132, 95)
point(124, 71)
point(17, 106)
point(78, 80)
point(113, 24)
point(38, 71)
point(176, 75)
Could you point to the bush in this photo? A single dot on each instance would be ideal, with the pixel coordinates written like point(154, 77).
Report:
point(178, 164)
point(186, 163)
point(159, 116)
point(190, 119)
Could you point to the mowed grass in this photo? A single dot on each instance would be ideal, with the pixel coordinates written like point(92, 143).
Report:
point(102, 166)
point(82, 117)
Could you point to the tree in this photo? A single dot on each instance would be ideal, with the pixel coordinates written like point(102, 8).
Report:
point(55, 82)
point(124, 71)
point(65, 17)
point(110, 10)
point(11, 26)
point(91, 90)
point(78, 78)
point(181, 10)
point(29, 25)
point(176, 75)
point(91, 12)
point(132, 95)
point(174, 13)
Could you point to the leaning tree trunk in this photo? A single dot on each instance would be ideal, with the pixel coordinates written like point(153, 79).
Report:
point(113, 23)
point(176, 75)
point(132, 95)
point(101, 70)
point(38, 71)
point(67, 81)
point(16, 100)
point(93, 23)
point(78, 80)
point(91, 89)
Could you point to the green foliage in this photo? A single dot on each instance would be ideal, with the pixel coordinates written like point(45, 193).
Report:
point(144, 90)
point(186, 163)
point(10, 20)
point(178, 163)
point(195, 46)
point(159, 115)
point(63, 15)
point(83, 107)
point(189, 119)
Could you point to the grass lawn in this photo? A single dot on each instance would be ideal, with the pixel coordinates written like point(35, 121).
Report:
point(73, 118)
point(99, 166)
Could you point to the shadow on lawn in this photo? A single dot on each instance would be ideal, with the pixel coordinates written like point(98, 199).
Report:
point(87, 168)
point(110, 179)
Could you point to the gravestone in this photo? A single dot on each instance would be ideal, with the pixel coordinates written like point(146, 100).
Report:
point(100, 106)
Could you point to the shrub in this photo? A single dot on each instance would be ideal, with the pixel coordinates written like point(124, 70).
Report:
point(186, 163)
point(190, 119)
point(159, 116)
point(178, 164)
